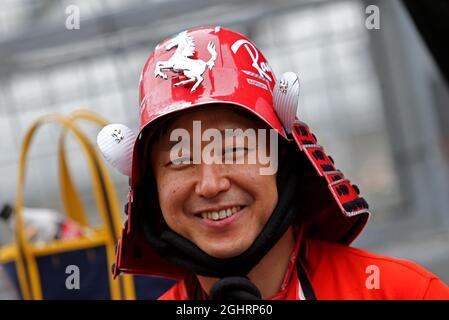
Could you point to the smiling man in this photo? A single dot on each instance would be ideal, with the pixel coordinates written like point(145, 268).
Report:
point(202, 207)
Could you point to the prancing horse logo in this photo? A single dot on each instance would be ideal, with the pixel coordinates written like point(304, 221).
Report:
point(181, 61)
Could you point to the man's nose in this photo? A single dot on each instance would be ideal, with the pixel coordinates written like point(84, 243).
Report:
point(212, 181)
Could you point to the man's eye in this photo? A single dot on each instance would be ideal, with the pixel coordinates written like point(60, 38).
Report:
point(179, 161)
point(235, 152)
point(236, 149)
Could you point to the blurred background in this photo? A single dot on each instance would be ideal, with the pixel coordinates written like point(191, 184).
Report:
point(375, 98)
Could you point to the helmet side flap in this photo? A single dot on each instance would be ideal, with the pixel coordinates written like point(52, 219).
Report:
point(335, 211)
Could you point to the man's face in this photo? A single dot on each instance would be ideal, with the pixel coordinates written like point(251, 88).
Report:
point(222, 208)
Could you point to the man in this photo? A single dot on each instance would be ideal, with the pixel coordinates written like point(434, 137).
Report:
point(230, 192)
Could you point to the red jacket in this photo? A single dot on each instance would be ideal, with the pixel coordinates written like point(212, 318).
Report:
point(340, 272)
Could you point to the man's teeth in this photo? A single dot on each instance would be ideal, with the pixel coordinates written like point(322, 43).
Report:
point(222, 214)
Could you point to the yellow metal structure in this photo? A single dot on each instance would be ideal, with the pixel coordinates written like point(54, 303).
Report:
point(108, 207)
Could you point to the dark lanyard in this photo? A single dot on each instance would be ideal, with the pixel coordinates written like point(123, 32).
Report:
point(304, 281)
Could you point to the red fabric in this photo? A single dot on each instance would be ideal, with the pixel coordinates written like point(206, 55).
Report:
point(339, 272)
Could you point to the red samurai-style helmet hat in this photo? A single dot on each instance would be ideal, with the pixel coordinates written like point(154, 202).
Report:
point(212, 66)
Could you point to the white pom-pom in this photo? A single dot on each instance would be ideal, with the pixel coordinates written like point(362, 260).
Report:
point(285, 99)
point(116, 142)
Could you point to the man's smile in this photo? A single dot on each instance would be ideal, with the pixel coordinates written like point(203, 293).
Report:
point(219, 214)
